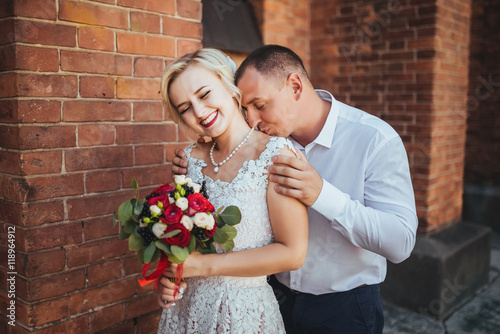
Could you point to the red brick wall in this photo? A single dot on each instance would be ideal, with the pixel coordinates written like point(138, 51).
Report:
point(482, 165)
point(285, 22)
point(407, 62)
point(80, 115)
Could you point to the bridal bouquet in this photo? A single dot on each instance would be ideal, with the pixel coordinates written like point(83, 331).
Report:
point(172, 222)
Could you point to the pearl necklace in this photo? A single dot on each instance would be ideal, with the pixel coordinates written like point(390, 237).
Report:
point(217, 165)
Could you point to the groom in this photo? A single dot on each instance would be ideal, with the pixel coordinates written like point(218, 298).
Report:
point(355, 182)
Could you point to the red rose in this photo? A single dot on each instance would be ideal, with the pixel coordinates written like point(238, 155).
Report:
point(163, 199)
point(199, 203)
point(163, 190)
point(172, 214)
point(180, 239)
point(210, 233)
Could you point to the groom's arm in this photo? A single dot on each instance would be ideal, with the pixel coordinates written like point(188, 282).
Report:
point(384, 223)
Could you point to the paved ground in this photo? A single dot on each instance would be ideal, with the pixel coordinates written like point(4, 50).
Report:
point(479, 315)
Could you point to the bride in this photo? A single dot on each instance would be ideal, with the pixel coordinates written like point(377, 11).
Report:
point(228, 292)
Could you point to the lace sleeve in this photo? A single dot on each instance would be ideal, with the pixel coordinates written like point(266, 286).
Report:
point(274, 147)
point(194, 165)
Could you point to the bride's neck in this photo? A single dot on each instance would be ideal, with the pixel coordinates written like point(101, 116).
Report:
point(234, 135)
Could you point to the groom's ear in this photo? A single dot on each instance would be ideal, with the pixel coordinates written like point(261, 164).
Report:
point(294, 83)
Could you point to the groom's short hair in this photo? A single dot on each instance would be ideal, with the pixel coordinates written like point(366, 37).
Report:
point(274, 61)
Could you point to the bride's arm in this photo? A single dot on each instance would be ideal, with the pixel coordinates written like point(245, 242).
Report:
point(288, 252)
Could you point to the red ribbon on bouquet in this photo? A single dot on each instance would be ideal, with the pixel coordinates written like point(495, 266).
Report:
point(155, 276)
point(160, 269)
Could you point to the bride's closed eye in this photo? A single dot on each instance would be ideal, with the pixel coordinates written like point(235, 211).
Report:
point(184, 110)
point(204, 95)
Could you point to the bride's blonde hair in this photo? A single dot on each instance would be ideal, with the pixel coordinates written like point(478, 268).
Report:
point(211, 59)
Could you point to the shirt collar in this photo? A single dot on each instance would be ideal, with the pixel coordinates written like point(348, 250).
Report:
point(325, 137)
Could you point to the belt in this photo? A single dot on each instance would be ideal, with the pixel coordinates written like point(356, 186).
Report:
point(300, 293)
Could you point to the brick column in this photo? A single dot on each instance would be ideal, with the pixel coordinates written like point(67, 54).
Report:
point(80, 115)
point(406, 61)
point(482, 163)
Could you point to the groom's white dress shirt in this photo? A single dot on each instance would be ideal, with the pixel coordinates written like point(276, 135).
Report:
point(365, 212)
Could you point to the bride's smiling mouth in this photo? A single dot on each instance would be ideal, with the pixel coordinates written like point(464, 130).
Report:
point(207, 122)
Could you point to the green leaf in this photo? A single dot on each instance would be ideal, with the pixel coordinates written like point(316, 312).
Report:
point(135, 185)
point(174, 259)
point(156, 255)
point(165, 248)
point(228, 245)
point(114, 219)
point(138, 207)
point(200, 244)
point(123, 235)
point(192, 245)
point(149, 252)
point(219, 221)
point(180, 253)
point(219, 210)
point(125, 211)
point(135, 242)
point(140, 255)
point(230, 231)
point(204, 250)
point(220, 236)
point(231, 215)
point(170, 234)
point(207, 250)
point(129, 226)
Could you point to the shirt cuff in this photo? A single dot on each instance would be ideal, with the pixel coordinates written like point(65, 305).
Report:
point(330, 202)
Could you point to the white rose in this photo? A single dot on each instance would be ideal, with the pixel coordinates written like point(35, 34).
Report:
point(159, 229)
point(196, 187)
point(187, 222)
point(204, 220)
point(182, 203)
point(155, 210)
point(188, 180)
point(171, 200)
point(180, 179)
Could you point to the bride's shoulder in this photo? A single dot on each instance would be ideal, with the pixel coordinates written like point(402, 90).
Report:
point(270, 146)
point(281, 145)
point(197, 150)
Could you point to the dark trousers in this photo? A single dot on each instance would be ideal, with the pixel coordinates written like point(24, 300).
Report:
point(351, 312)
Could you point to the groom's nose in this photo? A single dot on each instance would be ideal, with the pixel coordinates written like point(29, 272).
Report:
point(253, 118)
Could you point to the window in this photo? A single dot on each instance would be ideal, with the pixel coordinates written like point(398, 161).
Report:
point(230, 25)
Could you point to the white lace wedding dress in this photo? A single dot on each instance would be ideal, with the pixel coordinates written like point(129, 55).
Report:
point(226, 304)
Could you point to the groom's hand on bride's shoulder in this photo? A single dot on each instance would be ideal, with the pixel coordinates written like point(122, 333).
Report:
point(179, 163)
point(295, 177)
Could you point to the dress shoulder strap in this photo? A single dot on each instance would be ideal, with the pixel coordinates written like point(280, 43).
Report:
point(274, 146)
